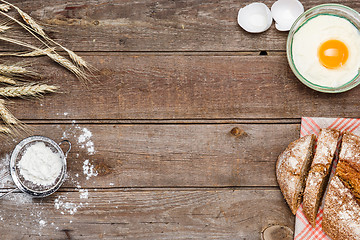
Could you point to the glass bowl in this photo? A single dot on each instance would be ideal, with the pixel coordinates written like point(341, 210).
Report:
point(324, 9)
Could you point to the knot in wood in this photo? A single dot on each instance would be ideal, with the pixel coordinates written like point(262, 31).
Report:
point(237, 132)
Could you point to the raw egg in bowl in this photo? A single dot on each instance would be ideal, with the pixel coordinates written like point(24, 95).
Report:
point(323, 48)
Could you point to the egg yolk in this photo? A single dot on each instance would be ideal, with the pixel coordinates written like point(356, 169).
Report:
point(333, 54)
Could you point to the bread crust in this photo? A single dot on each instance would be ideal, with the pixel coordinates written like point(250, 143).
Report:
point(319, 173)
point(350, 150)
point(341, 219)
point(292, 168)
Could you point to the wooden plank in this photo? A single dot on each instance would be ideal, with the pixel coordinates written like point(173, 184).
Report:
point(148, 86)
point(154, 25)
point(155, 214)
point(144, 155)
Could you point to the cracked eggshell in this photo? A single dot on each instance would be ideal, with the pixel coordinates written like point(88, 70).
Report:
point(285, 12)
point(255, 18)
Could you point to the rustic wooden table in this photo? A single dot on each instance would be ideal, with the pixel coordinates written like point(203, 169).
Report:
point(179, 137)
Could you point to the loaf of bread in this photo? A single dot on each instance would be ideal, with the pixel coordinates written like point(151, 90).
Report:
point(292, 168)
point(319, 173)
point(341, 218)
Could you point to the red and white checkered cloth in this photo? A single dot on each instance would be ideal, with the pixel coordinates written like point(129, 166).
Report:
point(303, 229)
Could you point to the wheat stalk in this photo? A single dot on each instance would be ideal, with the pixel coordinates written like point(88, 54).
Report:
point(37, 53)
point(27, 91)
point(7, 80)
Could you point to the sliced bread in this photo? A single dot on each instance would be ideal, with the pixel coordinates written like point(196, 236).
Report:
point(292, 168)
point(319, 173)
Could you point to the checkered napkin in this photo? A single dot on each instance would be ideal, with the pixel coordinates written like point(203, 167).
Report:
point(303, 229)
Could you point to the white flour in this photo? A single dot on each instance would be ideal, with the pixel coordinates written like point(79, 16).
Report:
point(63, 203)
point(66, 207)
point(42, 223)
point(5, 171)
point(84, 193)
point(83, 136)
point(84, 141)
point(40, 164)
point(89, 170)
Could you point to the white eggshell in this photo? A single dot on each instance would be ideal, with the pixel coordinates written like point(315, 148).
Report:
point(255, 18)
point(285, 12)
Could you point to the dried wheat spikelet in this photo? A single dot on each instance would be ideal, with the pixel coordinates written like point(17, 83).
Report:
point(78, 60)
point(16, 70)
point(14, 126)
point(68, 65)
point(4, 28)
point(29, 20)
point(4, 129)
point(33, 90)
point(7, 80)
point(6, 115)
point(4, 7)
point(38, 29)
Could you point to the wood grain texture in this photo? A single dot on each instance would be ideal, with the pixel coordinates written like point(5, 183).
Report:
point(169, 155)
point(154, 25)
point(155, 214)
point(147, 86)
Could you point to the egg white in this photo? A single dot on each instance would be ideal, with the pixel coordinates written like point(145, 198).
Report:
point(311, 35)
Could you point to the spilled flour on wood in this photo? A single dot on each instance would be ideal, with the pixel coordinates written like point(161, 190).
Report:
point(89, 170)
point(36, 212)
point(5, 171)
point(64, 206)
point(84, 193)
point(82, 137)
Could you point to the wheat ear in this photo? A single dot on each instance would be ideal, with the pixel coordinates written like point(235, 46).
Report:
point(54, 56)
point(6, 115)
point(14, 70)
point(33, 90)
point(68, 65)
point(79, 61)
point(37, 28)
